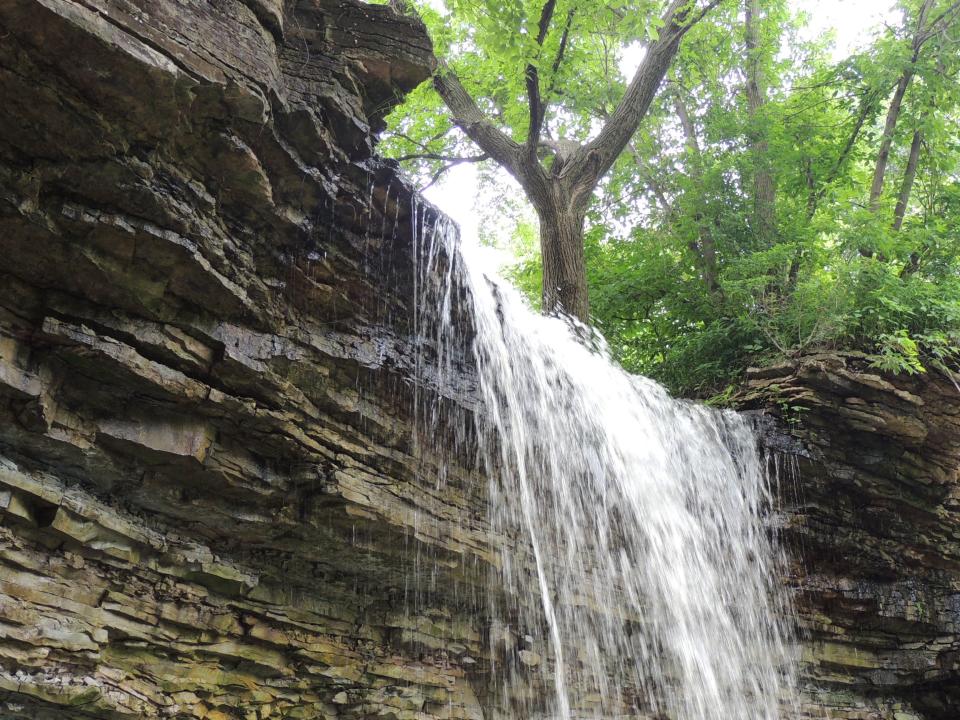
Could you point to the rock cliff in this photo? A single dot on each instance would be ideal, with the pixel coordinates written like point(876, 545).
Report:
point(215, 500)
point(210, 506)
point(871, 515)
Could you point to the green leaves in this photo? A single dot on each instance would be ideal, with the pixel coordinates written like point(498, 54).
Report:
point(897, 353)
point(489, 45)
point(836, 274)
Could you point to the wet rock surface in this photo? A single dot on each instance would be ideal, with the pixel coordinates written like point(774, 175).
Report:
point(871, 515)
point(210, 504)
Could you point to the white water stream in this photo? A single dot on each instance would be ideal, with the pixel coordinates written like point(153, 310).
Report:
point(639, 578)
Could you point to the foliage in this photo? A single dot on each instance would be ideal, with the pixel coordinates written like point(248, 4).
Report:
point(490, 44)
point(682, 283)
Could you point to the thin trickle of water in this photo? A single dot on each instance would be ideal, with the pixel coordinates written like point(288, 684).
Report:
point(636, 576)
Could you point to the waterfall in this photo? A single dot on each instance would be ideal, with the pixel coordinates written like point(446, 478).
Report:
point(636, 576)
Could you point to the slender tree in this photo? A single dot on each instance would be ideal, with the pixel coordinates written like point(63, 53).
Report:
point(909, 175)
point(704, 247)
point(928, 24)
point(764, 188)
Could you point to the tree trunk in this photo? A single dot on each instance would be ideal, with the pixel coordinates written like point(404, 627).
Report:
point(921, 34)
point(909, 175)
point(886, 142)
point(564, 266)
point(704, 249)
point(764, 189)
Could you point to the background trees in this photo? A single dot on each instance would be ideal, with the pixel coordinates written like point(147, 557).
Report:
point(774, 200)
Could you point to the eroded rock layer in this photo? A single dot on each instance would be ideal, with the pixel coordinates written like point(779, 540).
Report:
point(210, 506)
point(872, 510)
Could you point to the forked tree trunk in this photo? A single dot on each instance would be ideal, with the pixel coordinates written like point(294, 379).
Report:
point(560, 193)
point(909, 175)
point(564, 266)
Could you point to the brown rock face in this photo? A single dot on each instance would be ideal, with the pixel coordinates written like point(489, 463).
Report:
point(209, 502)
point(873, 518)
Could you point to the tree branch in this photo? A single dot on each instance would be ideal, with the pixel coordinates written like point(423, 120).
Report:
point(686, 123)
point(592, 161)
point(867, 105)
point(453, 162)
point(444, 158)
point(533, 80)
point(469, 118)
point(933, 28)
point(494, 142)
point(424, 145)
point(564, 38)
point(449, 161)
point(650, 178)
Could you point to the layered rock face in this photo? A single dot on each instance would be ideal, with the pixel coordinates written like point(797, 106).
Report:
point(872, 517)
point(210, 502)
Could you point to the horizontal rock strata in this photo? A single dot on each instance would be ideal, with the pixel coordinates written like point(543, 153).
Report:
point(872, 517)
point(218, 495)
point(210, 501)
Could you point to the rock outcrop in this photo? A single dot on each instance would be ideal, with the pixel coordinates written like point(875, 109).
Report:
point(871, 502)
point(210, 504)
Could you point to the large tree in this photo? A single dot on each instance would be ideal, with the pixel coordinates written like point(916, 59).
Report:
point(739, 228)
point(774, 199)
point(563, 55)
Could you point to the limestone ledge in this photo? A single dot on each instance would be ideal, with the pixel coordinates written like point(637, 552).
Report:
point(97, 624)
point(870, 513)
point(212, 501)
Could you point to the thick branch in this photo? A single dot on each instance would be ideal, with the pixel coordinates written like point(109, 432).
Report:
point(467, 115)
point(533, 81)
point(592, 161)
point(469, 118)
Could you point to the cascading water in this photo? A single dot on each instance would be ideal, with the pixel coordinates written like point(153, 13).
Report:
point(636, 577)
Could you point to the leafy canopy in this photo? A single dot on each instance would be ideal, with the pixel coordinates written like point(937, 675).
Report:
point(489, 46)
point(682, 282)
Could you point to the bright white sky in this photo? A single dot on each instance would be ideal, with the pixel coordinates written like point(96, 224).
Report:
point(852, 21)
